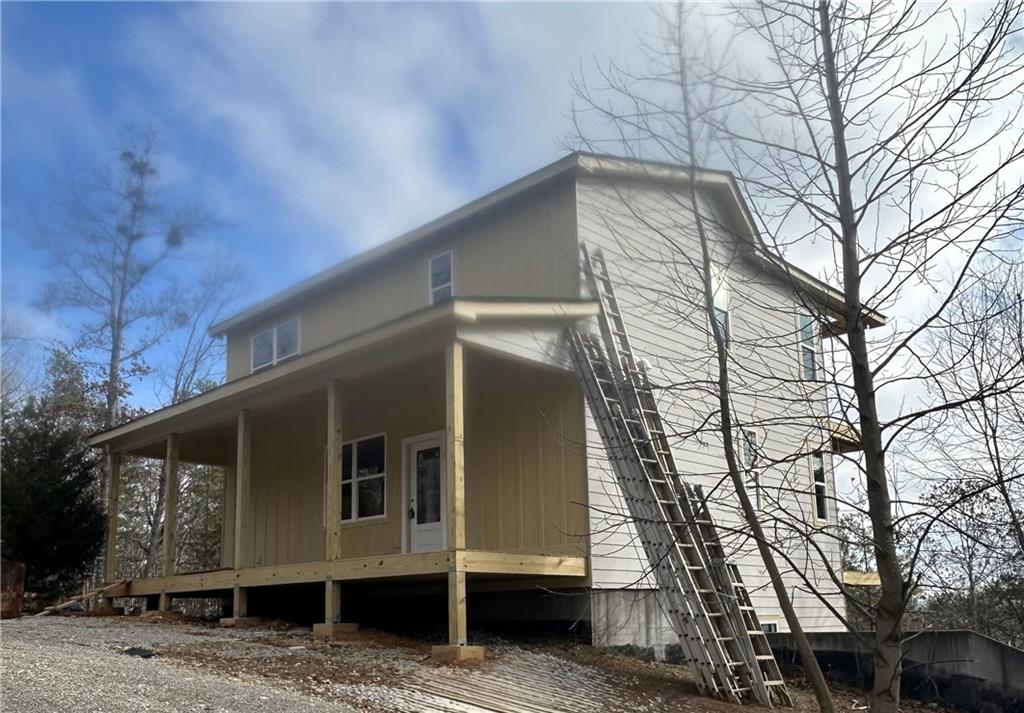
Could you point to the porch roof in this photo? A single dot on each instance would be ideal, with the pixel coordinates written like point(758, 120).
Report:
point(357, 355)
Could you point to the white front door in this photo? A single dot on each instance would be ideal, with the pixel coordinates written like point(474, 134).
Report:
point(425, 490)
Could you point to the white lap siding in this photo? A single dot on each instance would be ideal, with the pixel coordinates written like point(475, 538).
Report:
point(653, 253)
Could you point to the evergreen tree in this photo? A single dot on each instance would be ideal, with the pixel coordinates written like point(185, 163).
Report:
point(50, 515)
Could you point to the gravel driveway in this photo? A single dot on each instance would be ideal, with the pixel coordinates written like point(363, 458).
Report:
point(77, 664)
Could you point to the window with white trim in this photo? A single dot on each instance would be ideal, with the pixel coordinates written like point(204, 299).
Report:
point(721, 307)
point(751, 464)
point(808, 348)
point(363, 480)
point(769, 627)
point(819, 485)
point(441, 281)
point(275, 344)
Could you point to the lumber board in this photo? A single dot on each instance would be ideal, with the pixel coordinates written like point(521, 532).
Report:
point(109, 588)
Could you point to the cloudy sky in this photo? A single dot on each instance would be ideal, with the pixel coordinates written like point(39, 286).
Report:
point(309, 131)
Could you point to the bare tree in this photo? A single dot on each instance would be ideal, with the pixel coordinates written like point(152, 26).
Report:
point(902, 154)
point(680, 67)
point(855, 129)
point(108, 251)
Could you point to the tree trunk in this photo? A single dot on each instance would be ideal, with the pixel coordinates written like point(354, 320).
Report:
point(885, 694)
point(807, 657)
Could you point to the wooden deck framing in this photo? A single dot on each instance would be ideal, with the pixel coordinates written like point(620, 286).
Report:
point(474, 562)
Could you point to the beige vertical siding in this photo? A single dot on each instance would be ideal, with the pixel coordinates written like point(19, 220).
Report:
point(524, 249)
point(288, 464)
point(525, 467)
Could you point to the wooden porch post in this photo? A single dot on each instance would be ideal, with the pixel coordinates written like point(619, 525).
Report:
point(170, 511)
point(227, 540)
point(455, 488)
point(113, 496)
point(240, 556)
point(332, 531)
point(332, 625)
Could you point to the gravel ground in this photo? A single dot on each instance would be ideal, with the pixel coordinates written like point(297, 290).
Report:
point(77, 664)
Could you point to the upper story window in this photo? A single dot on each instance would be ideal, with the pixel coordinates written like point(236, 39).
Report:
point(363, 478)
point(441, 277)
point(808, 348)
point(818, 483)
point(721, 305)
point(275, 344)
point(751, 463)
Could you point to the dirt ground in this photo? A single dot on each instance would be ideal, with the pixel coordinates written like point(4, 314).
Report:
point(57, 663)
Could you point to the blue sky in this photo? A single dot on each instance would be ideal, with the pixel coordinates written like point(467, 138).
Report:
point(310, 131)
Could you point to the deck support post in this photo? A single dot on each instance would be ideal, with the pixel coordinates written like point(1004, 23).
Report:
point(332, 626)
point(113, 497)
point(240, 602)
point(455, 488)
point(170, 512)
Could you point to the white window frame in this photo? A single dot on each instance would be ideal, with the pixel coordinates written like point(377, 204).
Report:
point(818, 485)
point(751, 472)
point(720, 302)
point(431, 287)
point(802, 344)
point(273, 332)
point(355, 480)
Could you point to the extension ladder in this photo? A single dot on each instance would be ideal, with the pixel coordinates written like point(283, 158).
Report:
point(706, 602)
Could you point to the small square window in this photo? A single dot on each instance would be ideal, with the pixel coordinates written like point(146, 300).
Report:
point(275, 344)
point(441, 277)
point(769, 627)
point(287, 339)
point(263, 349)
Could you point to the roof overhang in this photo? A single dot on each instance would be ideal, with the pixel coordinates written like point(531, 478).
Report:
point(351, 357)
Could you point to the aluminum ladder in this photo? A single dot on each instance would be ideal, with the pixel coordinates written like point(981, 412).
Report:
point(706, 602)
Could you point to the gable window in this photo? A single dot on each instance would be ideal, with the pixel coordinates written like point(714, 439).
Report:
point(363, 478)
point(808, 348)
point(441, 277)
point(751, 462)
point(818, 483)
point(275, 344)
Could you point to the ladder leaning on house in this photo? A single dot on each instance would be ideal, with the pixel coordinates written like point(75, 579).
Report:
point(706, 602)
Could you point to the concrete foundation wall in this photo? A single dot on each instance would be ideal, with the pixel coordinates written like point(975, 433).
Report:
point(961, 668)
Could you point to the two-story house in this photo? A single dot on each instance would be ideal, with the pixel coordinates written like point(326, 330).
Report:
point(411, 415)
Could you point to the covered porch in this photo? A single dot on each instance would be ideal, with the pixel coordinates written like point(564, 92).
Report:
point(422, 453)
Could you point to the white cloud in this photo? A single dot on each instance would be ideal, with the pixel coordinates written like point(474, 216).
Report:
point(370, 119)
